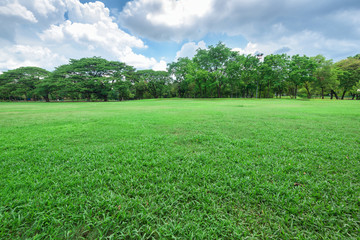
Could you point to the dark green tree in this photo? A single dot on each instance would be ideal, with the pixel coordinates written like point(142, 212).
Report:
point(22, 82)
point(350, 68)
point(156, 81)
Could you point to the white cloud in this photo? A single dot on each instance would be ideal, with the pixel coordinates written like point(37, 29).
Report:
point(90, 13)
point(14, 9)
point(177, 13)
point(251, 48)
point(140, 61)
point(88, 31)
point(23, 55)
point(304, 42)
point(46, 7)
point(167, 19)
point(160, 66)
point(265, 23)
point(189, 49)
point(107, 35)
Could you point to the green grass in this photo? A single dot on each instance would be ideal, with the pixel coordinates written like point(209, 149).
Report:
point(181, 169)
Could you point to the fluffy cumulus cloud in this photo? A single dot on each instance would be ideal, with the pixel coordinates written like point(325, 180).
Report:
point(25, 55)
point(47, 33)
point(250, 48)
point(310, 27)
point(189, 49)
point(16, 11)
point(167, 19)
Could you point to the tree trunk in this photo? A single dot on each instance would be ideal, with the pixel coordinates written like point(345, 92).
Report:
point(257, 89)
point(105, 98)
point(333, 93)
point(46, 97)
point(308, 92)
point(295, 91)
point(322, 93)
point(259, 92)
point(343, 95)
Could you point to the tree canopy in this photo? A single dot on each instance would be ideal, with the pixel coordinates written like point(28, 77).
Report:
point(215, 72)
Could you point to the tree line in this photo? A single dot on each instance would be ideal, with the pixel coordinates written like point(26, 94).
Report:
point(216, 72)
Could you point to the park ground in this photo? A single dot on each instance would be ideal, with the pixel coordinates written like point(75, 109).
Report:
point(180, 168)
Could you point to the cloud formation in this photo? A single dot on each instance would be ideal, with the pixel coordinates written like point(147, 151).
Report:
point(46, 33)
point(61, 29)
point(167, 19)
point(323, 26)
point(189, 49)
point(25, 55)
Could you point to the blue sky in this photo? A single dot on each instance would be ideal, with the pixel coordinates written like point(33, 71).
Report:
point(148, 34)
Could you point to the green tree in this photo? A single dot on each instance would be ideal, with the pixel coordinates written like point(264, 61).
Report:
point(22, 82)
point(123, 80)
point(156, 81)
point(275, 72)
point(89, 77)
point(324, 74)
point(179, 70)
point(215, 60)
point(234, 72)
point(302, 70)
point(350, 68)
point(250, 76)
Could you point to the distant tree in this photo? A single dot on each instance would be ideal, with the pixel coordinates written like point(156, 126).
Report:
point(123, 80)
point(234, 72)
point(302, 70)
point(250, 75)
point(215, 60)
point(22, 82)
point(156, 81)
point(89, 76)
point(355, 91)
point(275, 72)
point(350, 68)
point(324, 74)
point(179, 70)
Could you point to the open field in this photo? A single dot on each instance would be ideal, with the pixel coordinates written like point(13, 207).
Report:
point(185, 169)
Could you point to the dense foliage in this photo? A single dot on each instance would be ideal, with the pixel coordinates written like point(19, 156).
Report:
point(216, 72)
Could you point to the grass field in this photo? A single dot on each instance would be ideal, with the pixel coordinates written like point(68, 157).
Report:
point(180, 169)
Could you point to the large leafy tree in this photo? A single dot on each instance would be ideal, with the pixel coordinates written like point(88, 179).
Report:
point(8, 86)
point(22, 82)
point(350, 68)
point(157, 81)
point(250, 76)
point(179, 71)
point(275, 72)
point(89, 77)
point(234, 71)
point(324, 73)
point(302, 70)
point(123, 80)
point(215, 61)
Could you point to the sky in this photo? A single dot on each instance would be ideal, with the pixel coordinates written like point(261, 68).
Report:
point(148, 34)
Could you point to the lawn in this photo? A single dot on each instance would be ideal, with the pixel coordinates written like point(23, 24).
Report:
point(180, 169)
